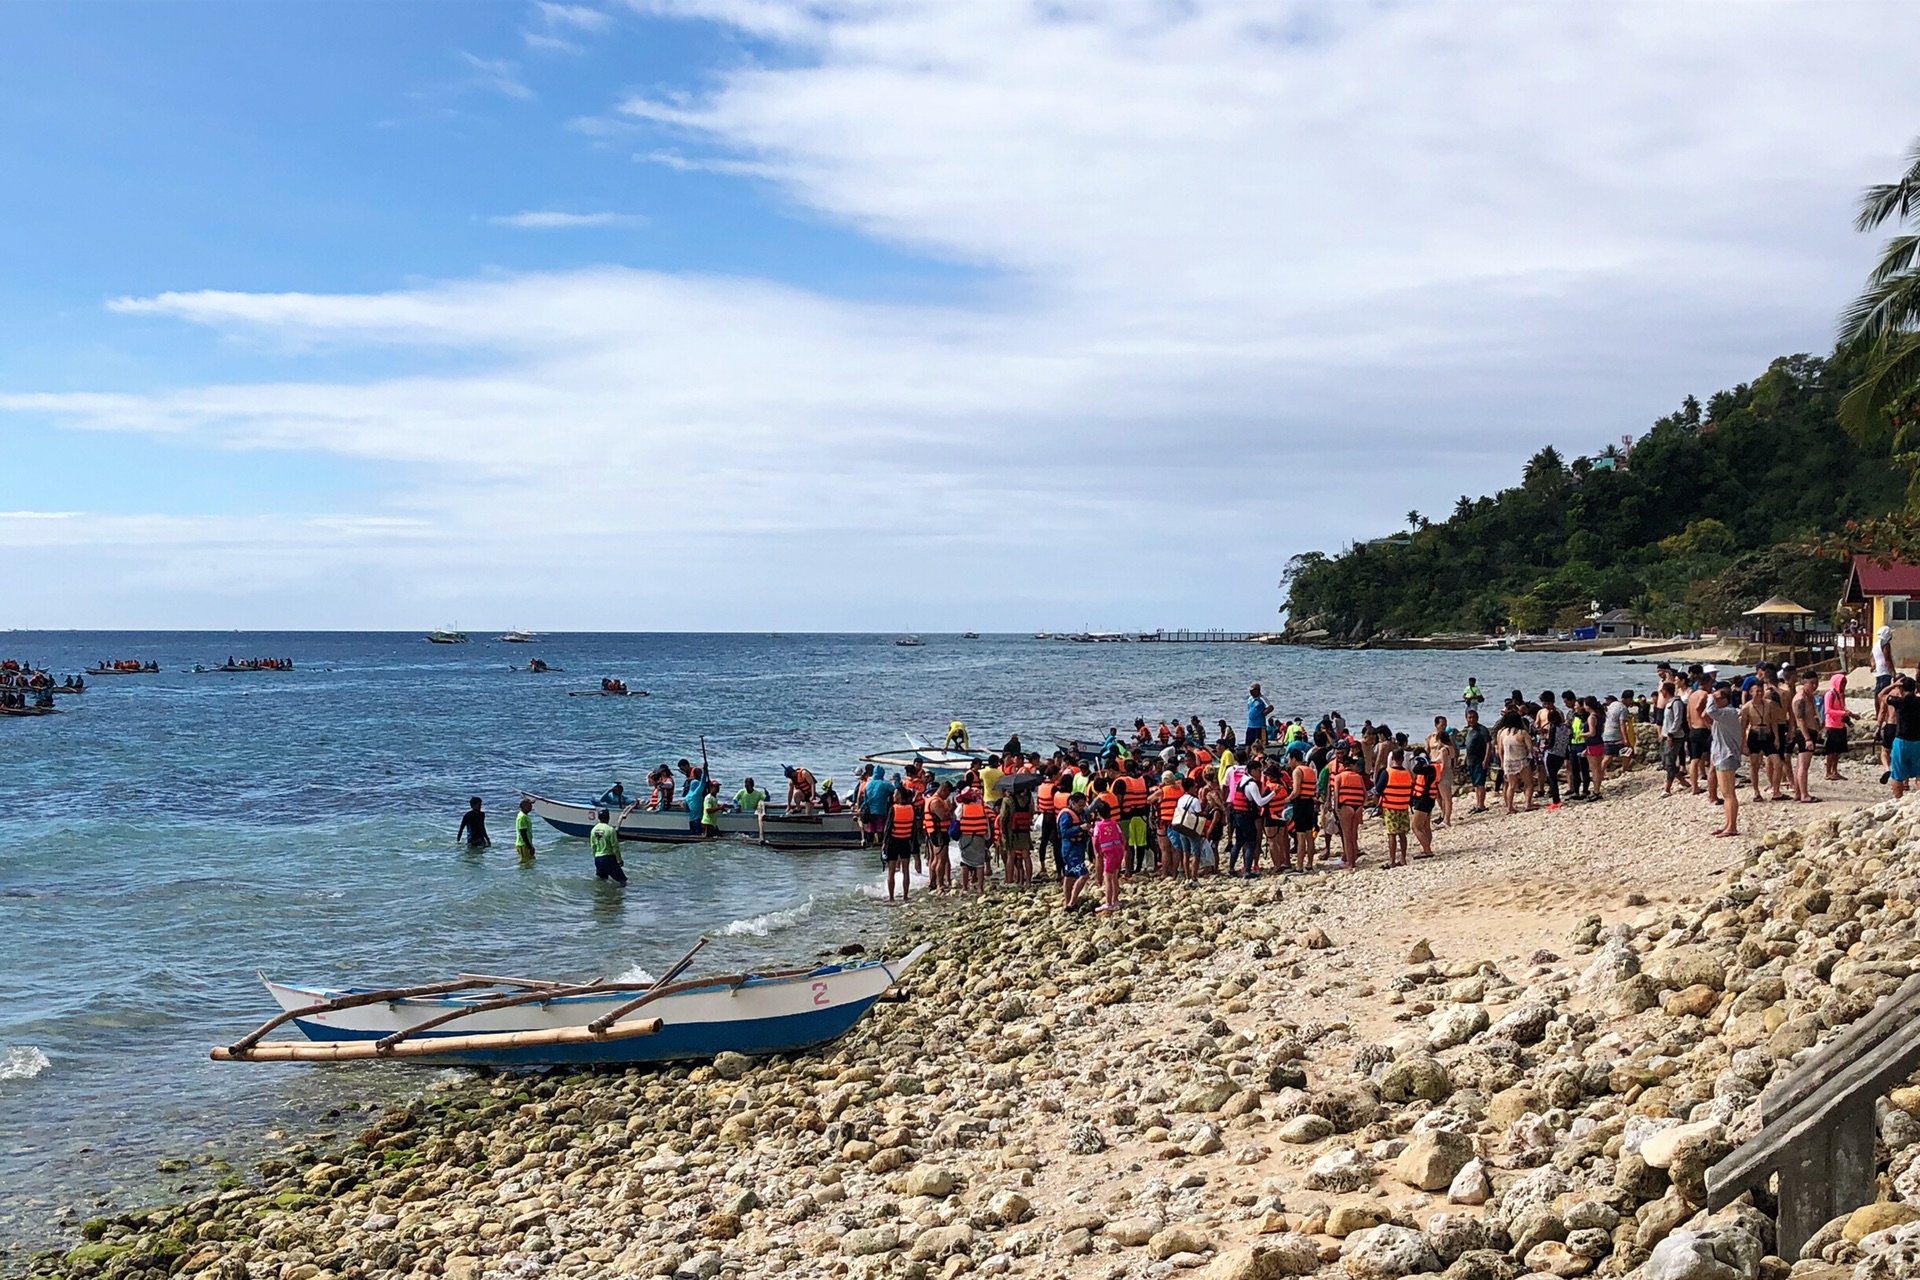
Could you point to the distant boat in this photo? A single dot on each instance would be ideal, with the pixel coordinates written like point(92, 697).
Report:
point(908, 642)
point(970, 635)
point(1041, 635)
point(516, 637)
point(446, 637)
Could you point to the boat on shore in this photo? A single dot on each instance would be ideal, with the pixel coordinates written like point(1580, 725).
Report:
point(776, 828)
point(479, 1021)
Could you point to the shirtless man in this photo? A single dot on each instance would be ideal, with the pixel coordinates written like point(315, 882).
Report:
point(1700, 740)
point(1756, 724)
point(1442, 755)
point(1806, 731)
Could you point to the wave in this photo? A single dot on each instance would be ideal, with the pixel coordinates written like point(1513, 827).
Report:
point(877, 889)
point(22, 1062)
point(637, 973)
point(761, 926)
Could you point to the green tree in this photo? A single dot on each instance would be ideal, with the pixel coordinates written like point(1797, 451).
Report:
point(1882, 328)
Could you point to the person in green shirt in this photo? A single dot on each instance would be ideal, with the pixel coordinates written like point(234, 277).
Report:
point(710, 814)
point(749, 798)
point(523, 831)
point(604, 840)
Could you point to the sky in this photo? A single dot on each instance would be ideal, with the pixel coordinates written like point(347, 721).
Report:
point(870, 315)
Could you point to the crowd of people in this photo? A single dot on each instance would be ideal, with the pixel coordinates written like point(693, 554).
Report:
point(1174, 801)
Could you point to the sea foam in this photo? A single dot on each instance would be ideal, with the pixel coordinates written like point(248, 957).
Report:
point(22, 1062)
point(761, 926)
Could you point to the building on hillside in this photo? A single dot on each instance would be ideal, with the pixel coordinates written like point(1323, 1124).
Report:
point(1618, 624)
point(1885, 596)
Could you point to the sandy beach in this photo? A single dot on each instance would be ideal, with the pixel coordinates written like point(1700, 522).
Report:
point(1446, 1067)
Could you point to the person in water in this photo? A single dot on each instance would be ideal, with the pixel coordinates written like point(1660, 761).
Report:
point(604, 840)
point(473, 826)
point(523, 830)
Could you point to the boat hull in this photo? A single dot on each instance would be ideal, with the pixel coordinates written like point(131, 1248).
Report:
point(787, 1013)
point(672, 826)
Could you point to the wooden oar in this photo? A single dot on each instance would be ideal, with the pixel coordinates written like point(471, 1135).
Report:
point(361, 1050)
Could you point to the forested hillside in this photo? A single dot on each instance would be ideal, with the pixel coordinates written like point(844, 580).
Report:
point(1703, 516)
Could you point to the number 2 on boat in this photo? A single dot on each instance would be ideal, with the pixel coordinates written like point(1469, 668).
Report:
point(820, 993)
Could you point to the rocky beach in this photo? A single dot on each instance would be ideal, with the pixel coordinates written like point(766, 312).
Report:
point(1520, 1056)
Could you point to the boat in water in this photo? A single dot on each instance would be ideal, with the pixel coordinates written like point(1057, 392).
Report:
point(246, 664)
point(970, 635)
point(129, 667)
point(446, 637)
point(941, 762)
point(479, 1021)
point(776, 828)
point(909, 642)
point(535, 667)
point(518, 637)
point(35, 709)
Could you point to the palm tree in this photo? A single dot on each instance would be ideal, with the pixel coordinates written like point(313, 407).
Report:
point(1883, 324)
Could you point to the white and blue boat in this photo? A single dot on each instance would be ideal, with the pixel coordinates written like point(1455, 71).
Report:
point(478, 1021)
point(775, 827)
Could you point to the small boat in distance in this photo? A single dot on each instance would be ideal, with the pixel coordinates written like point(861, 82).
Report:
point(970, 635)
point(480, 1021)
point(446, 637)
point(518, 637)
point(535, 667)
point(609, 688)
point(126, 667)
point(908, 642)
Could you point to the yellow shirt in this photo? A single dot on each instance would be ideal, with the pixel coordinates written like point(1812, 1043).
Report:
point(990, 785)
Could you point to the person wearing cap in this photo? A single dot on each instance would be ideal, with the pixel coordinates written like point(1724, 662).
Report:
point(799, 789)
point(604, 841)
point(829, 798)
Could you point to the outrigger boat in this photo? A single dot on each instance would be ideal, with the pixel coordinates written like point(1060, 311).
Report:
point(776, 829)
point(47, 709)
point(481, 1021)
point(151, 668)
point(941, 762)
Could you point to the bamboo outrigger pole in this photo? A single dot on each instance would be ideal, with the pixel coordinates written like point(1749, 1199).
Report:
point(436, 1046)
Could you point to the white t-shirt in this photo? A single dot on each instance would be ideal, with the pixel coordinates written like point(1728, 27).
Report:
point(1883, 652)
point(1615, 730)
point(1189, 813)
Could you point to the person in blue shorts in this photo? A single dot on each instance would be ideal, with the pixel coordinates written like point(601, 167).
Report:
point(1073, 850)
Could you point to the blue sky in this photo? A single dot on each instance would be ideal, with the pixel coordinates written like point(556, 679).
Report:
point(358, 314)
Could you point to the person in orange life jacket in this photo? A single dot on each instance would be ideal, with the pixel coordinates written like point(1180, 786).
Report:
point(903, 821)
point(1245, 800)
point(1396, 798)
point(1045, 797)
point(1162, 800)
point(1279, 784)
point(974, 823)
point(1426, 788)
point(937, 821)
point(1349, 793)
point(1305, 821)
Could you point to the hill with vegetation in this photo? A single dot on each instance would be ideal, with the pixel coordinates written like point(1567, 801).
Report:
point(1705, 515)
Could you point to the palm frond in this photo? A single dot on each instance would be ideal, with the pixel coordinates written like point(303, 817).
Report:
point(1897, 200)
point(1893, 369)
point(1898, 255)
point(1885, 308)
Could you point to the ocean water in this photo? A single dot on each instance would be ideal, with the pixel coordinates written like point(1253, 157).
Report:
point(172, 834)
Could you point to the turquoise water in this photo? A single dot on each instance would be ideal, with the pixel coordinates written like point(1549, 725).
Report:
point(171, 834)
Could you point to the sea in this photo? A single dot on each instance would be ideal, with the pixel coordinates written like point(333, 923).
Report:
point(169, 837)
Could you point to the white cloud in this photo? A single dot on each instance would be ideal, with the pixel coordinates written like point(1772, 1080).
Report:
point(498, 75)
point(555, 220)
point(551, 44)
point(1254, 278)
point(578, 16)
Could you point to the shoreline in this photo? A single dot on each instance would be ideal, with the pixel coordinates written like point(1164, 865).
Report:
point(1157, 1057)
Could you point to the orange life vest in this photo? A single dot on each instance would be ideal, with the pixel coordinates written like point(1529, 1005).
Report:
point(1350, 787)
point(973, 819)
point(1043, 798)
point(902, 820)
point(1133, 802)
point(1398, 790)
point(1169, 801)
point(1424, 784)
point(1282, 797)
